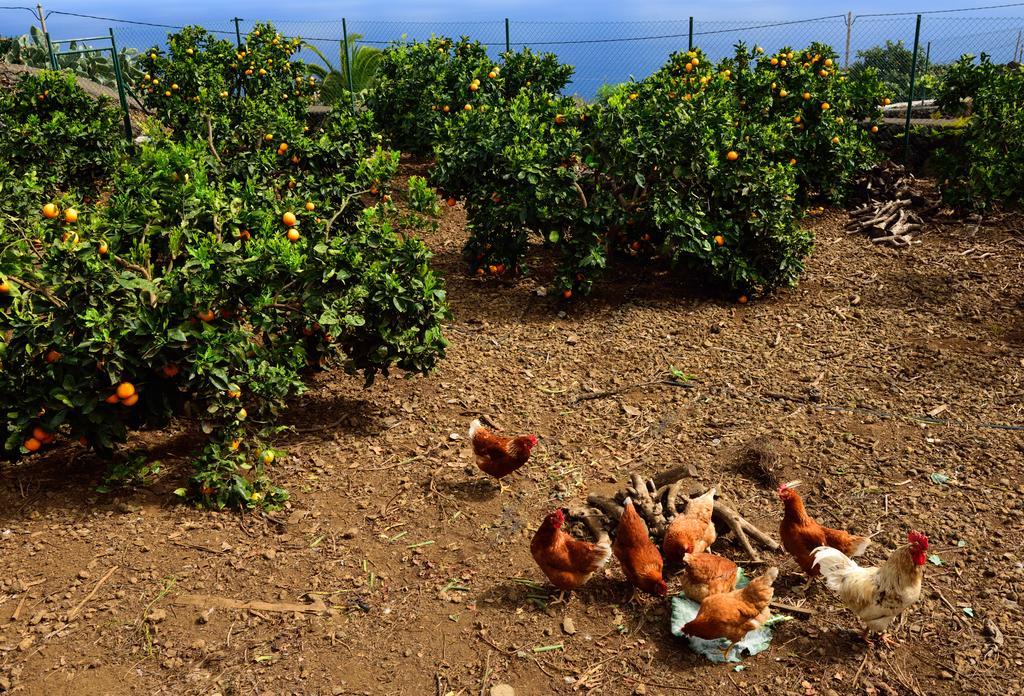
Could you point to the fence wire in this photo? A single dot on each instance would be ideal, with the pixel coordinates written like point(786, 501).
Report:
point(612, 52)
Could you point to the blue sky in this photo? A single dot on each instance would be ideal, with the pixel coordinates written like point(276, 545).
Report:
point(601, 53)
point(202, 11)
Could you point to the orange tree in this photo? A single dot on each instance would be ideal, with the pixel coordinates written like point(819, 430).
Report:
point(831, 119)
point(50, 127)
point(203, 283)
point(986, 165)
point(518, 165)
point(420, 86)
point(699, 164)
point(693, 181)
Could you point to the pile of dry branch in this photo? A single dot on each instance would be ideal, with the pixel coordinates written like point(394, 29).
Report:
point(658, 500)
point(894, 207)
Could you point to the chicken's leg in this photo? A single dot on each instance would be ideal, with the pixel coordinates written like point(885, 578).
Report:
point(888, 640)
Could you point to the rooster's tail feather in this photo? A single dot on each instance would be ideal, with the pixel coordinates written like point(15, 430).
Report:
point(834, 565)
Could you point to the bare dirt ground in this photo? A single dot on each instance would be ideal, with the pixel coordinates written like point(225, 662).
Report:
point(397, 569)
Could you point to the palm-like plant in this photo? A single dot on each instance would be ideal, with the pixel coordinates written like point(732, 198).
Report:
point(334, 81)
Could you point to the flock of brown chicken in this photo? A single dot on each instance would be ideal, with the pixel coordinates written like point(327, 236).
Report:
point(875, 595)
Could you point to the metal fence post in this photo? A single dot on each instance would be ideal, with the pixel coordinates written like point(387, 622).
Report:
point(119, 78)
point(49, 51)
point(849, 34)
point(690, 42)
point(348, 62)
point(508, 43)
point(910, 100)
point(238, 32)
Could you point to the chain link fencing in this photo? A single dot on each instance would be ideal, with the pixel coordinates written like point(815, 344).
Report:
point(606, 53)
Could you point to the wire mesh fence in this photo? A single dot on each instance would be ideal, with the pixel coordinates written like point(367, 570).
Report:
point(612, 52)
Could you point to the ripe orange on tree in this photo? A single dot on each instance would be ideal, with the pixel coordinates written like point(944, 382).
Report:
point(310, 206)
point(289, 219)
point(52, 356)
point(206, 315)
point(50, 211)
point(293, 235)
point(70, 216)
point(32, 444)
point(719, 240)
point(125, 390)
point(732, 155)
point(131, 400)
point(5, 287)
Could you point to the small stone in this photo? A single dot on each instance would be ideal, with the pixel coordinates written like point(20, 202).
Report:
point(502, 690)
point(84, 575)
point(946, 675)
point(157, 615)
point(572, 339)
point(25, 643)
point(569, 626)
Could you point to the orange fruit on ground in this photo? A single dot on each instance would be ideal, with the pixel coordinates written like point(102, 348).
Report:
point(289, 219)
point(742, 299)
point(293, 235)
point(131, 400)
point(451, 202)
point(50, 211)
point(112, 399)
point(719, 240)
point(70, 215)
point(567, 294)
point(52, 356)
point(310, 207)
point(40, 434)
point(732, 155)
point(32, 444)
point(268, 457)
point(125, 390)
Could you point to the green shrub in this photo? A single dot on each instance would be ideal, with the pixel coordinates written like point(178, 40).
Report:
point(702, 165)
point(420, 83)
point(986, 168)
point(188, 280)
point(51, 127)
point(422, 198)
